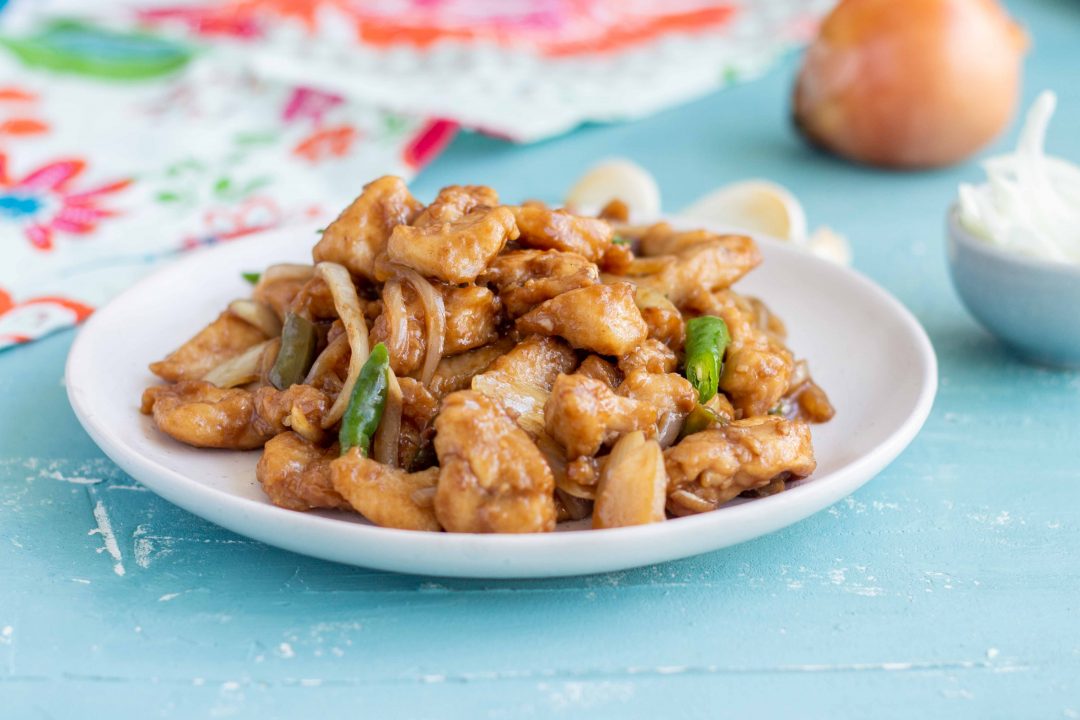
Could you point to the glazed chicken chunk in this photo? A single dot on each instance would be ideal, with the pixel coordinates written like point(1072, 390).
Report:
point(547, 229)
point(712, 263)
point(520, 381)
point(387, 496)
point(204, 415)
point(492, 477)
point(454, 252)
point(709, 468)
point(359, 234)
point(585, 414)
point(226, 337)
point(526, 278)
point(600, 318)
point(295, 474)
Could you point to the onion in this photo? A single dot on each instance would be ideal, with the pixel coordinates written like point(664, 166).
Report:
point(327, 358)
point(347, 304)
point(434, 318)
point(238, 370)
point(397, 321)
point(257, 314)
point(286, 271)
point(388, 435)
point(920, 83)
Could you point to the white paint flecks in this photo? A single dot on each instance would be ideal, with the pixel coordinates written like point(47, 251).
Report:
point(285, 650)
point(992, 653)
point(81, 581)
point(6, 634)
point(582, 695)
point(73, 479)
point(104, 529)
point(168, 596)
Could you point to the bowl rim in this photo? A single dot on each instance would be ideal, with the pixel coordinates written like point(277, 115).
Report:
point(961, 235)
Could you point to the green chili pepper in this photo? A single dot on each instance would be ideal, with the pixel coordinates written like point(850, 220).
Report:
point(707, 338)
point(251, 277)
point(367, 402)
point(700, 418)
point(619, 240)
point(299, 337)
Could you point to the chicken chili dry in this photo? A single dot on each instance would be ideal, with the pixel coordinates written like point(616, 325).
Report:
point(475, 367)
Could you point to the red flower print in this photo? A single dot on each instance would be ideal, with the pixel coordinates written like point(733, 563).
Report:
point(43, 203)
point(21, 322)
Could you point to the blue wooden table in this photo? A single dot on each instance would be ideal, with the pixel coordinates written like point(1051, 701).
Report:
point(948, 587)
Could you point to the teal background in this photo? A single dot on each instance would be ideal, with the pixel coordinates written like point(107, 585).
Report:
point(947, 587)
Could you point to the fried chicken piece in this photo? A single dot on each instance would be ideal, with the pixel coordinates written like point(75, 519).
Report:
point(652, 356)
point(663, 319)
point(360, 233)
point(492, 477)
point(454, 252)
point(278, 295)
point(757, 366)
point(709, 263)
point(455, 202)
point(203, 415)
point(472, 318)
point(669, 394)
point(633, 484)
point(387, 496)
point(709, 468)
point(225, 338)
point(456, 373)
point(600, 318)
point(600, 369)
point(547, 229)
point(520, 381)
point(583, 415)
point(295, 474)
point(526, 278)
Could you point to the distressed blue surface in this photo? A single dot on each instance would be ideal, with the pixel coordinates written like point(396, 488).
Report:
point(946, 588)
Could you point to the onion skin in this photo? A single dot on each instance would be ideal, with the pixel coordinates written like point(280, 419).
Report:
point(913, 84)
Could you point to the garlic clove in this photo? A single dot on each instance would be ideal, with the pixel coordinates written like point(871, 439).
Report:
point(827, 244)
point(616, 178)
point(753, 205)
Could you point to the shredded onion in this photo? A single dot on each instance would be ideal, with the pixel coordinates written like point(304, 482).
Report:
point(388, 435)
point(257, 314)
point(397, 320)
point(1031, 201)
point(327, 358)
point(434, 318)
point(240, 369)
point(347, 304)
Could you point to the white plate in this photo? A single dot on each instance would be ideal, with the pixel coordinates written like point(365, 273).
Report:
point(864, 348)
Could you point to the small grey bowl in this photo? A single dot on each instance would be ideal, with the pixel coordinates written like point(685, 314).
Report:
point(1031, 305)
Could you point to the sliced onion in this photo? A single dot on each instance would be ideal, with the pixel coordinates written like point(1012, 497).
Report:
point(388, 436)
point(257, 314)
point(347, 304)
point(328, 358)
point(286, 271)
point(243, 368)
point(397, 319)
point(434, 318)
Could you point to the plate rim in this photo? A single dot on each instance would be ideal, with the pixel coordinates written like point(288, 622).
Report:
point(220, 506)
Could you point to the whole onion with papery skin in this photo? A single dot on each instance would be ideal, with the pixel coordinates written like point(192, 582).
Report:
point(918, 83)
